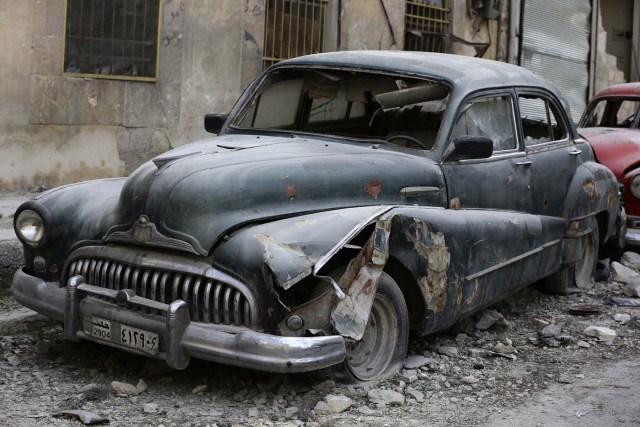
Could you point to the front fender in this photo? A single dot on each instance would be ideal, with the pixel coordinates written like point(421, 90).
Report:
point(74, 215)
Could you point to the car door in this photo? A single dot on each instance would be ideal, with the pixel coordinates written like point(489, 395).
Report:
point(500, 181)
point(551, 151)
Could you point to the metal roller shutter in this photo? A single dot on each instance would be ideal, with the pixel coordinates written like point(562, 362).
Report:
point(555, 45)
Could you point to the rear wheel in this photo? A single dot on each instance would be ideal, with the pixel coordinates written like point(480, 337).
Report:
point(576, 275)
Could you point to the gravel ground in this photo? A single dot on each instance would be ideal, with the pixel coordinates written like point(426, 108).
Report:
point(533, 364)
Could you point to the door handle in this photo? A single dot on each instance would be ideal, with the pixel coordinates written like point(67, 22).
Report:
point(575, 152)
point(525, 163)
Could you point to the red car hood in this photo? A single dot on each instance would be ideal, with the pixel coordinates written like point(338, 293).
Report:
point(616, 148)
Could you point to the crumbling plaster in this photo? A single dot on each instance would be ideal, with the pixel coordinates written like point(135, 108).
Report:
point(56, 129)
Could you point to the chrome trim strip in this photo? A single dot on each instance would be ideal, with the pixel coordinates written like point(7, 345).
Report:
point(512, 260)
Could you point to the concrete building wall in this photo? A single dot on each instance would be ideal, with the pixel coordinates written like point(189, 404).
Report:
point(56, 129)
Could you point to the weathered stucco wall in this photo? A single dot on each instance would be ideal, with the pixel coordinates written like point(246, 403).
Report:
point(365, 27)
point(56, 129)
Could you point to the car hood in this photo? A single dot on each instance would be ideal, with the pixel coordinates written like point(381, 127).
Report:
point(616, 148)
point(204, 190)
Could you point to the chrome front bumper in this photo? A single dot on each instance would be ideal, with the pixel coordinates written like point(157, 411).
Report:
point(180, 338)
point(632, 237)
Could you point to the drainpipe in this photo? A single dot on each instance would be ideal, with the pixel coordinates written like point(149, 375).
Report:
point(514, 31)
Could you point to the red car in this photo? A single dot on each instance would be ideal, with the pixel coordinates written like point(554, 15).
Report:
point(611, 123)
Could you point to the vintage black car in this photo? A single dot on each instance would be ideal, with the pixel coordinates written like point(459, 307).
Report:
point(349, 198)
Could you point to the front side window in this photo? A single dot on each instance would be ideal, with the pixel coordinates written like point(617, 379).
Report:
point(490, 117)
point(540, 120)
point(112, 39)
point(612, 112)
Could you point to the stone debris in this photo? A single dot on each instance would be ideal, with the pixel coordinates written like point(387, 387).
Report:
point(632, 289)
point(199, 389)
point(631, 260)
point(448, 351)
point(622, 318)
point(333, 404)
point(504, 349)
point(416, 394)
point(409, 375)
point(417, 361)
point(551, 330)
point(126, 389)
point(491, 319)
point(384, 397)
point(291, 411)
point(623, 274)
point(150, 408)
point(600, 332)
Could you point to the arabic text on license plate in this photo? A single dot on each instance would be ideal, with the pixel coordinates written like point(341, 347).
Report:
point(139, 339)
point(120, 334)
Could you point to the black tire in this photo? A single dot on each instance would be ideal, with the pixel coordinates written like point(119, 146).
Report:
point(579, 274)
point(384, 345)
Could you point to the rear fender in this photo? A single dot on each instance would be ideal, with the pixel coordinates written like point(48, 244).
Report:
point(593, 191)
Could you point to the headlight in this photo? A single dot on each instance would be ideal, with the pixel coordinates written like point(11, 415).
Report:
point(29, 226)
point(635, 186)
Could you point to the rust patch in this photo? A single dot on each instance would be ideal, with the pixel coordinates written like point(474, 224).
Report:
point(455, 204)
point(432, 248)
point(612, 197)
point(292, 191)
point(373, 187)
point(589, 187)
point(473, 294)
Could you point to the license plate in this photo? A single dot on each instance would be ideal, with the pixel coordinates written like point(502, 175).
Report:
point(123, 335)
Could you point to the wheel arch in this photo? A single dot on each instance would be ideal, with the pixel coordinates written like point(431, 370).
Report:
point(410, 290)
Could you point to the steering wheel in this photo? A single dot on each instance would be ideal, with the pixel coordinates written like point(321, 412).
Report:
point(408, 138)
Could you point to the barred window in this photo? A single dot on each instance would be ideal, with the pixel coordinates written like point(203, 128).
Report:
point(426, 25)
point(112, 38)
point(293, 28)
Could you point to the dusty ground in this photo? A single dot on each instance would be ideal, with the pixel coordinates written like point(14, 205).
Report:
point(563, 379)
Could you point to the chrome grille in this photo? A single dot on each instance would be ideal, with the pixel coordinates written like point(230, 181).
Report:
point(209, 300)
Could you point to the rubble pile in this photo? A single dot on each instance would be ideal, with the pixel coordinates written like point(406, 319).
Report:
point(483, 366)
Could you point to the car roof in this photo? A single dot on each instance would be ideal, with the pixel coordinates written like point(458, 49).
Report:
point(620, 89)
point(463, 72)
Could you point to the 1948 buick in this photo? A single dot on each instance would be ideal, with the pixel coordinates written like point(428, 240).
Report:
point(348, 198)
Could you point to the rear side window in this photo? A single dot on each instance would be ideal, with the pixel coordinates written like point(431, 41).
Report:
point(491, 117)
point(540, 120)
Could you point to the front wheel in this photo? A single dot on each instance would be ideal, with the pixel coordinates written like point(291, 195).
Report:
point(383, 346)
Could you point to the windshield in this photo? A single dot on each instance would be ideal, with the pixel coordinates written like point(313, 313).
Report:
point(617, 112)
point(406, 112)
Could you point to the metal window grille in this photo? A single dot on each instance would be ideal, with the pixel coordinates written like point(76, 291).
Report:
point(112, 38)
point(426, 25)
point(293, 28)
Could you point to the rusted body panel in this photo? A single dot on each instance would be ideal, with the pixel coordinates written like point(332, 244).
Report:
point(265, 246)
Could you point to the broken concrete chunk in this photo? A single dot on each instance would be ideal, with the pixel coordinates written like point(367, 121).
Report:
point(623, 274)
point(504, 349)
point(491, 319)
point(600, 332)
point(551, 331)
point(333, 404)
point(150, 408)
point(631, 260)
point(632, 289)
point(448, 351)
point(417, 361)
point(622, 318)
point(199, 389)
point(126, 389)
point(385, 397)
